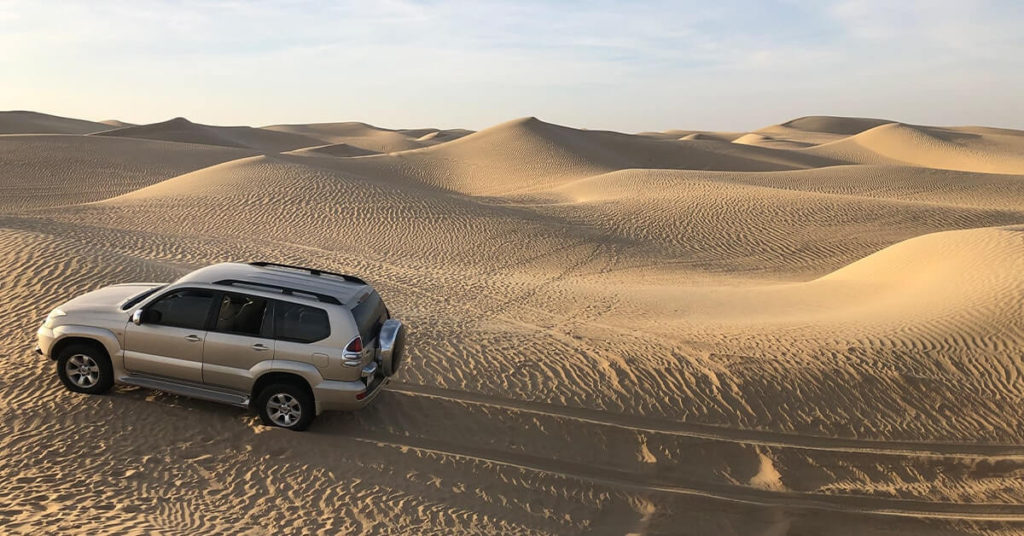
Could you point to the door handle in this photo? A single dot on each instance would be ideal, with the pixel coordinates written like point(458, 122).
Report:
point(260, 348)
point(193, 338)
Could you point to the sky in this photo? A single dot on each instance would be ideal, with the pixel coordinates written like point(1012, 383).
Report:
point(627, 66)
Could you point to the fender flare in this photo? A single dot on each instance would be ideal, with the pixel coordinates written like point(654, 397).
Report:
point(103, 336)
point(306, 371)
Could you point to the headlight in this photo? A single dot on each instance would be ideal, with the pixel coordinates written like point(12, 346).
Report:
point(53, 314)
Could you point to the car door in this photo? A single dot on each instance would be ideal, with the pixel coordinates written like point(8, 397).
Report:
point(169, 341)
point(301, 333)
point(240, 339)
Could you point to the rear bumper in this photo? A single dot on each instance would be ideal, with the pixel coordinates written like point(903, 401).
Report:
point(346, 396)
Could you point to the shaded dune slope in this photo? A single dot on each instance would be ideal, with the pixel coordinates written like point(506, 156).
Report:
point(22, 122)
point(336, 149)
point(371, 138)
point(182, 130)
point(91, 168)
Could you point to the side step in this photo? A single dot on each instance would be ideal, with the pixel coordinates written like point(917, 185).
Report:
point(187, 389)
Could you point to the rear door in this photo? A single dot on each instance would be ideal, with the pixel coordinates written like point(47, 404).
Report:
point(239, 339)
point(301, 333)
point(170, 342)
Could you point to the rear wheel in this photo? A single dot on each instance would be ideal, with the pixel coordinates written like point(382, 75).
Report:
point(84, 368)
point(286, 405)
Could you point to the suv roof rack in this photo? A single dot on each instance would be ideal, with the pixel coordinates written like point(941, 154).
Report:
point(326, 298)
point(312, 271)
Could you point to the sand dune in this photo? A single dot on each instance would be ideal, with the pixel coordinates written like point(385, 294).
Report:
point(834, 125)
point(117, 123)
point(767, 141)
point(21, 122)
point(945, 148)
point(182, 130)
point(528, 154)
point(335, 149)
point(91, 168)
point(749, 338)
point(371, 138)
point(676, 134)
point(707, 217)
point(819, 129)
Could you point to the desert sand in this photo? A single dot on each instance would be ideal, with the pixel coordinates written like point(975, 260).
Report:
point(816, 327)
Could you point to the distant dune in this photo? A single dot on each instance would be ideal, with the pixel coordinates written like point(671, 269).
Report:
point(335, 149)
point(20, 122)
point(527, 154)
point(834, 125)
point(182, 130)
point(118, 124)
point(810, 328)
point(371, 138)
point(818, 129)
point(945, 148)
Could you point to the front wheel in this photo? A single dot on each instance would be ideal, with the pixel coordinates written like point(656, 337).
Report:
point(286, 406)
point(84, 368)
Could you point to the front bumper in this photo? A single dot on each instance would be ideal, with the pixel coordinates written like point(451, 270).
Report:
point(44, 340)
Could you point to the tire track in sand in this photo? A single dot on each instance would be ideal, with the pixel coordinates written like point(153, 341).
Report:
point(878, 506)
point(645, 424)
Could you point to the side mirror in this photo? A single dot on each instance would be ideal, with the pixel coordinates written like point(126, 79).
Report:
point(137, 317)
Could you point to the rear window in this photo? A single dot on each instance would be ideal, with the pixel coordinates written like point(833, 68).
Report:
point(370, 314)
point(300, 323)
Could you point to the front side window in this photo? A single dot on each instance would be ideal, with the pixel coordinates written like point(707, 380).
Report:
point(187, 308)
point(300, 323)
point(241, 314)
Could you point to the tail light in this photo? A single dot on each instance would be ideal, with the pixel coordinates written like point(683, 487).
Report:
point(355, 346)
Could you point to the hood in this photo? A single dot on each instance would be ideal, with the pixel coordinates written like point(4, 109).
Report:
point(106, 298)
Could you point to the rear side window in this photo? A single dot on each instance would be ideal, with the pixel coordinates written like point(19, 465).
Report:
point(300, 323)
point(241, 314)
point(183, 309)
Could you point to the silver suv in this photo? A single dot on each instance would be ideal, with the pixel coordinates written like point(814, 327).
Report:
point(288, 341)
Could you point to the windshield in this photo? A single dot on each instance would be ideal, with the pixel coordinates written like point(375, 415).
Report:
point(139, 297)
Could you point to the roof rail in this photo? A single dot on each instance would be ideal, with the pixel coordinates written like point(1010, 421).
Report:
point(312, 271)
point(326, 298)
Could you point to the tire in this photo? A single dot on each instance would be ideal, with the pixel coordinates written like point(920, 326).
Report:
point(286, 405)
point(85, 368)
